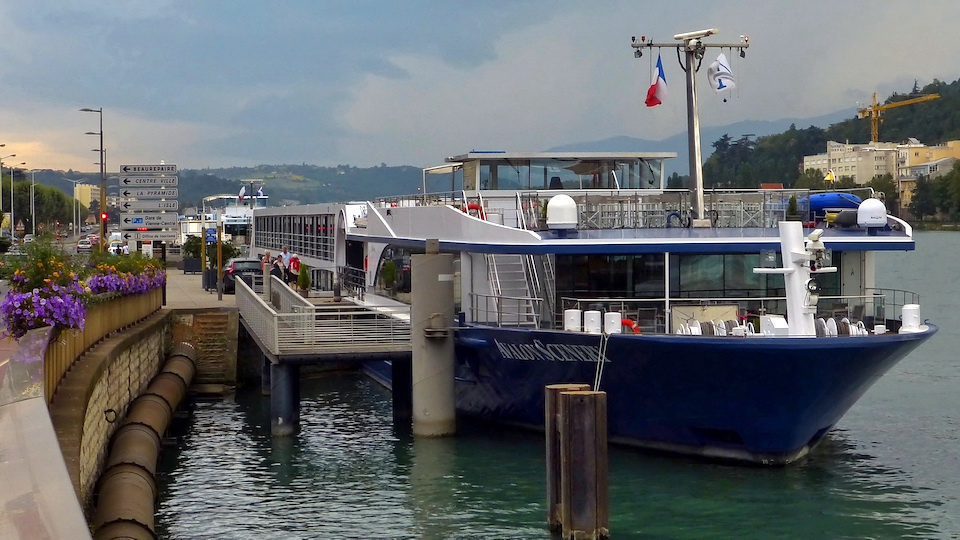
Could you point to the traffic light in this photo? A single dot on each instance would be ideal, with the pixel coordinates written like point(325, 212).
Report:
point(104, 217)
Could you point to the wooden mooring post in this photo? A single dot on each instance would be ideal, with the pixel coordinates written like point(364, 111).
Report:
point(577, 485)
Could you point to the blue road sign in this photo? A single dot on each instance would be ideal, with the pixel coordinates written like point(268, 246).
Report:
point(211, 236)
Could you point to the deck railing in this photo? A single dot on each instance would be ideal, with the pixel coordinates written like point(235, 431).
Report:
point(102, 319)
point(308, 329)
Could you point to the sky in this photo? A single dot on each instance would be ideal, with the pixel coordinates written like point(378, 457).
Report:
point(219, 83)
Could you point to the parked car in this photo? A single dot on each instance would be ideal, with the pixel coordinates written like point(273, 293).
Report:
point(84, 245)
point(27, 238)
point(244, 268)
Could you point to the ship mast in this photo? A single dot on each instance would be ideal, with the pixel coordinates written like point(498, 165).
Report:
point(693, 47)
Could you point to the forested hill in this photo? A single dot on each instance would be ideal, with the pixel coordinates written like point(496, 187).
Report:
point(747, 162)
point(291, 184)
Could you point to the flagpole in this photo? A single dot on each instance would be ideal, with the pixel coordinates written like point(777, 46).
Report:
point(694, 49)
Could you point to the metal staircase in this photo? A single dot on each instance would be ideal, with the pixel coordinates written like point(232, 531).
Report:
point(508, 282)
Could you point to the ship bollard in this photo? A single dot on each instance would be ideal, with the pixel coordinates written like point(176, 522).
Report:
point(551, 425)
point(582, 428)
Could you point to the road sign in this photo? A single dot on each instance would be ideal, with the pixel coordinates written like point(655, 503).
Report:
point(148, 169)
point(137, 221)
point(150, 205)
point(211, 236)
point(165, 236)
point(150, 193)
point(130, 181)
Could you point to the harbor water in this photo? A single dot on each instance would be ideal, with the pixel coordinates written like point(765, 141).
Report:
point(891, 468)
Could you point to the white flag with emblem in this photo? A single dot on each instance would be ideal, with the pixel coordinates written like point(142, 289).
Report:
point(720, 76)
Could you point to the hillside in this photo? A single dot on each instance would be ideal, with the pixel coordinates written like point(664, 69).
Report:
point(746, 162)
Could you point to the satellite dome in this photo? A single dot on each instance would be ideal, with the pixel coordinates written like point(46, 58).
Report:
point(872, 213)
point(562, 212)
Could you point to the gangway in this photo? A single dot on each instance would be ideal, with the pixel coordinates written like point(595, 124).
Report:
point(289, 327)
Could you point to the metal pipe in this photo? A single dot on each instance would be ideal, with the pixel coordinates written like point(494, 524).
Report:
point(127, 487)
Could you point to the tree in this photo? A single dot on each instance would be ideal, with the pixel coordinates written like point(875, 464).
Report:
point(886, 185)
point(924, 201)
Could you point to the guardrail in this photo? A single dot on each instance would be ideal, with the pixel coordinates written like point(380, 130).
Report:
point(102, 319)
point(308, 329)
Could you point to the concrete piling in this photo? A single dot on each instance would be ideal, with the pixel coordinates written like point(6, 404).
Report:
point(401, 379)
point(431, 315)
point(551, 428)
point(264, 375)
point(284, 399)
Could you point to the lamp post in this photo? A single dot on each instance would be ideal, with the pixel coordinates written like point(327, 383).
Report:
point(75, 211)
point(103, 173)
point(33, 200)
point(12, 199)
point(1, 191)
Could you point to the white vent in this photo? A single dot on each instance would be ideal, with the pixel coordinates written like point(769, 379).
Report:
point(562, 212)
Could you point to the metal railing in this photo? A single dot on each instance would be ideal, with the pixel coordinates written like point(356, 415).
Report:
point(308, 329)
point(652, 314)
point(353, 281)
point(503, 310)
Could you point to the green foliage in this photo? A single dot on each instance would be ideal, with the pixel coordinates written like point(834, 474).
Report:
point(43, 263)
point(4, 244)
point(886, 185)
point(191, 248)
point(746, 163)
point(193, 245)
point(388, 274)
point(924, 201)
point(792, 207)
point(303, 278)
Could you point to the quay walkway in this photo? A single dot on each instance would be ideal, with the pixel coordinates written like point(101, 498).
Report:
point(289, 327)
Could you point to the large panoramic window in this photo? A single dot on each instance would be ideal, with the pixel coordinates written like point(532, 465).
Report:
point(610, 276)
point(570, 174)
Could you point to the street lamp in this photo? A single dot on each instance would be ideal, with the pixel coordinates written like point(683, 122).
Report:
point(103, 173)
point(12, 199)
point(75, 211)
point(1, 190)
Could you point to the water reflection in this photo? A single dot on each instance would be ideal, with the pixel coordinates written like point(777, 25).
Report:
point(351, 473)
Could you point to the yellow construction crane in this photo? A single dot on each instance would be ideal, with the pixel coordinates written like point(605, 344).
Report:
point(875, 111)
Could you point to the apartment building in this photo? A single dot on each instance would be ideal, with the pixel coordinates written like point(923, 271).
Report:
point(858, 161)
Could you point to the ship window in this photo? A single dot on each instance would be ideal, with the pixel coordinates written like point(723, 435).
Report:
point(610, 276)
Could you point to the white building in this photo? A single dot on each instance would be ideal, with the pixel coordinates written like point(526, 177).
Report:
point(858, 161)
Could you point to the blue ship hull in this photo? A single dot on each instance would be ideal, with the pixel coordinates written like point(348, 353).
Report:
point(763, 400)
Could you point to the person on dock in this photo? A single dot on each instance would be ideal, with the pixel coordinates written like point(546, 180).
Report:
point(265, 263)
point(286, 256)
point(277, 268)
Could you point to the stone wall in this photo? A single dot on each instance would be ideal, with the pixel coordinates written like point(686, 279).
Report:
point(96, 392)
point(94, 396)
point(125, 378)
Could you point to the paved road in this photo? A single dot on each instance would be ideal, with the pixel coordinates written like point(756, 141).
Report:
point(184, 291)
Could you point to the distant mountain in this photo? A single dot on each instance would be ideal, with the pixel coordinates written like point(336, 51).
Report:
point(678, 142)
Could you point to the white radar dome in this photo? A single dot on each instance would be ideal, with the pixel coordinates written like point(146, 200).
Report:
point(872, 213)
point(562, 212)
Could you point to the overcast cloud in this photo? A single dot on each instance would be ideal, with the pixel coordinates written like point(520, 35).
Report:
point(214, 83)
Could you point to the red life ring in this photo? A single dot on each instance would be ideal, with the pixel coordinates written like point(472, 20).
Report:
point(478, 209)
point(631, 325)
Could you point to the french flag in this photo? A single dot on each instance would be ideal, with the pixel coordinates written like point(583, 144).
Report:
point(658, 88)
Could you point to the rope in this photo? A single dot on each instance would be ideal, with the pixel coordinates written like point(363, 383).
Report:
point(601, 355)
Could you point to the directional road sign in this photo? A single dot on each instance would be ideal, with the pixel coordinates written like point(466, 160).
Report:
point(148, 169)
point(164, 236)
point(150, 193)
point(150, 205)
point(138, 221)
point(139, 180)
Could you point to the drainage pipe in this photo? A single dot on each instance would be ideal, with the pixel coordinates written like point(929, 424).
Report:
point(127, 487)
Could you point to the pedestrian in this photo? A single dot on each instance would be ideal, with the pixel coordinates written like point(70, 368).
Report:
point(286, 256)
point(276, 268)
point(265, 263)
point(126, 249)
